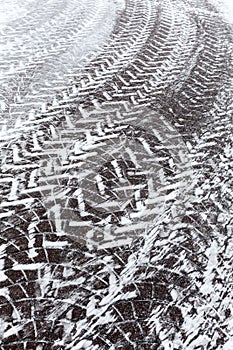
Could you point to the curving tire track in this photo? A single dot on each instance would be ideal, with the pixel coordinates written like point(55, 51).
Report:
point(46, 49)
point(160, 87)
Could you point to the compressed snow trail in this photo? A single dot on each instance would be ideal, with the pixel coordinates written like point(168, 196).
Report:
point(115, 191)
point(41, 43)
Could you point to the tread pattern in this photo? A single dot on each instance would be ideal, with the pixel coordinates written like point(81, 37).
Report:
point(116, 176)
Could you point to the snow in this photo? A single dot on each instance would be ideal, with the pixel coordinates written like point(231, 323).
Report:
point(226, 7)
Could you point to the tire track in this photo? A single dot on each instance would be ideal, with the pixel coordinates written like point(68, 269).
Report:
point(57, 294)
point(39, 49)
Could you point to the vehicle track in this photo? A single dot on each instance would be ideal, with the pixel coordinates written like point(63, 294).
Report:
point(168, 249)
point(47, 47)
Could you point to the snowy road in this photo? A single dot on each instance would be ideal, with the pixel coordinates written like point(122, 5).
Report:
point(116, 175)
point(43, 44)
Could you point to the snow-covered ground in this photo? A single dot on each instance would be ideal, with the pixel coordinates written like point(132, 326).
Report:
point(94, 167)
point(226, 7)
point(229, 5)
point(47, 42)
